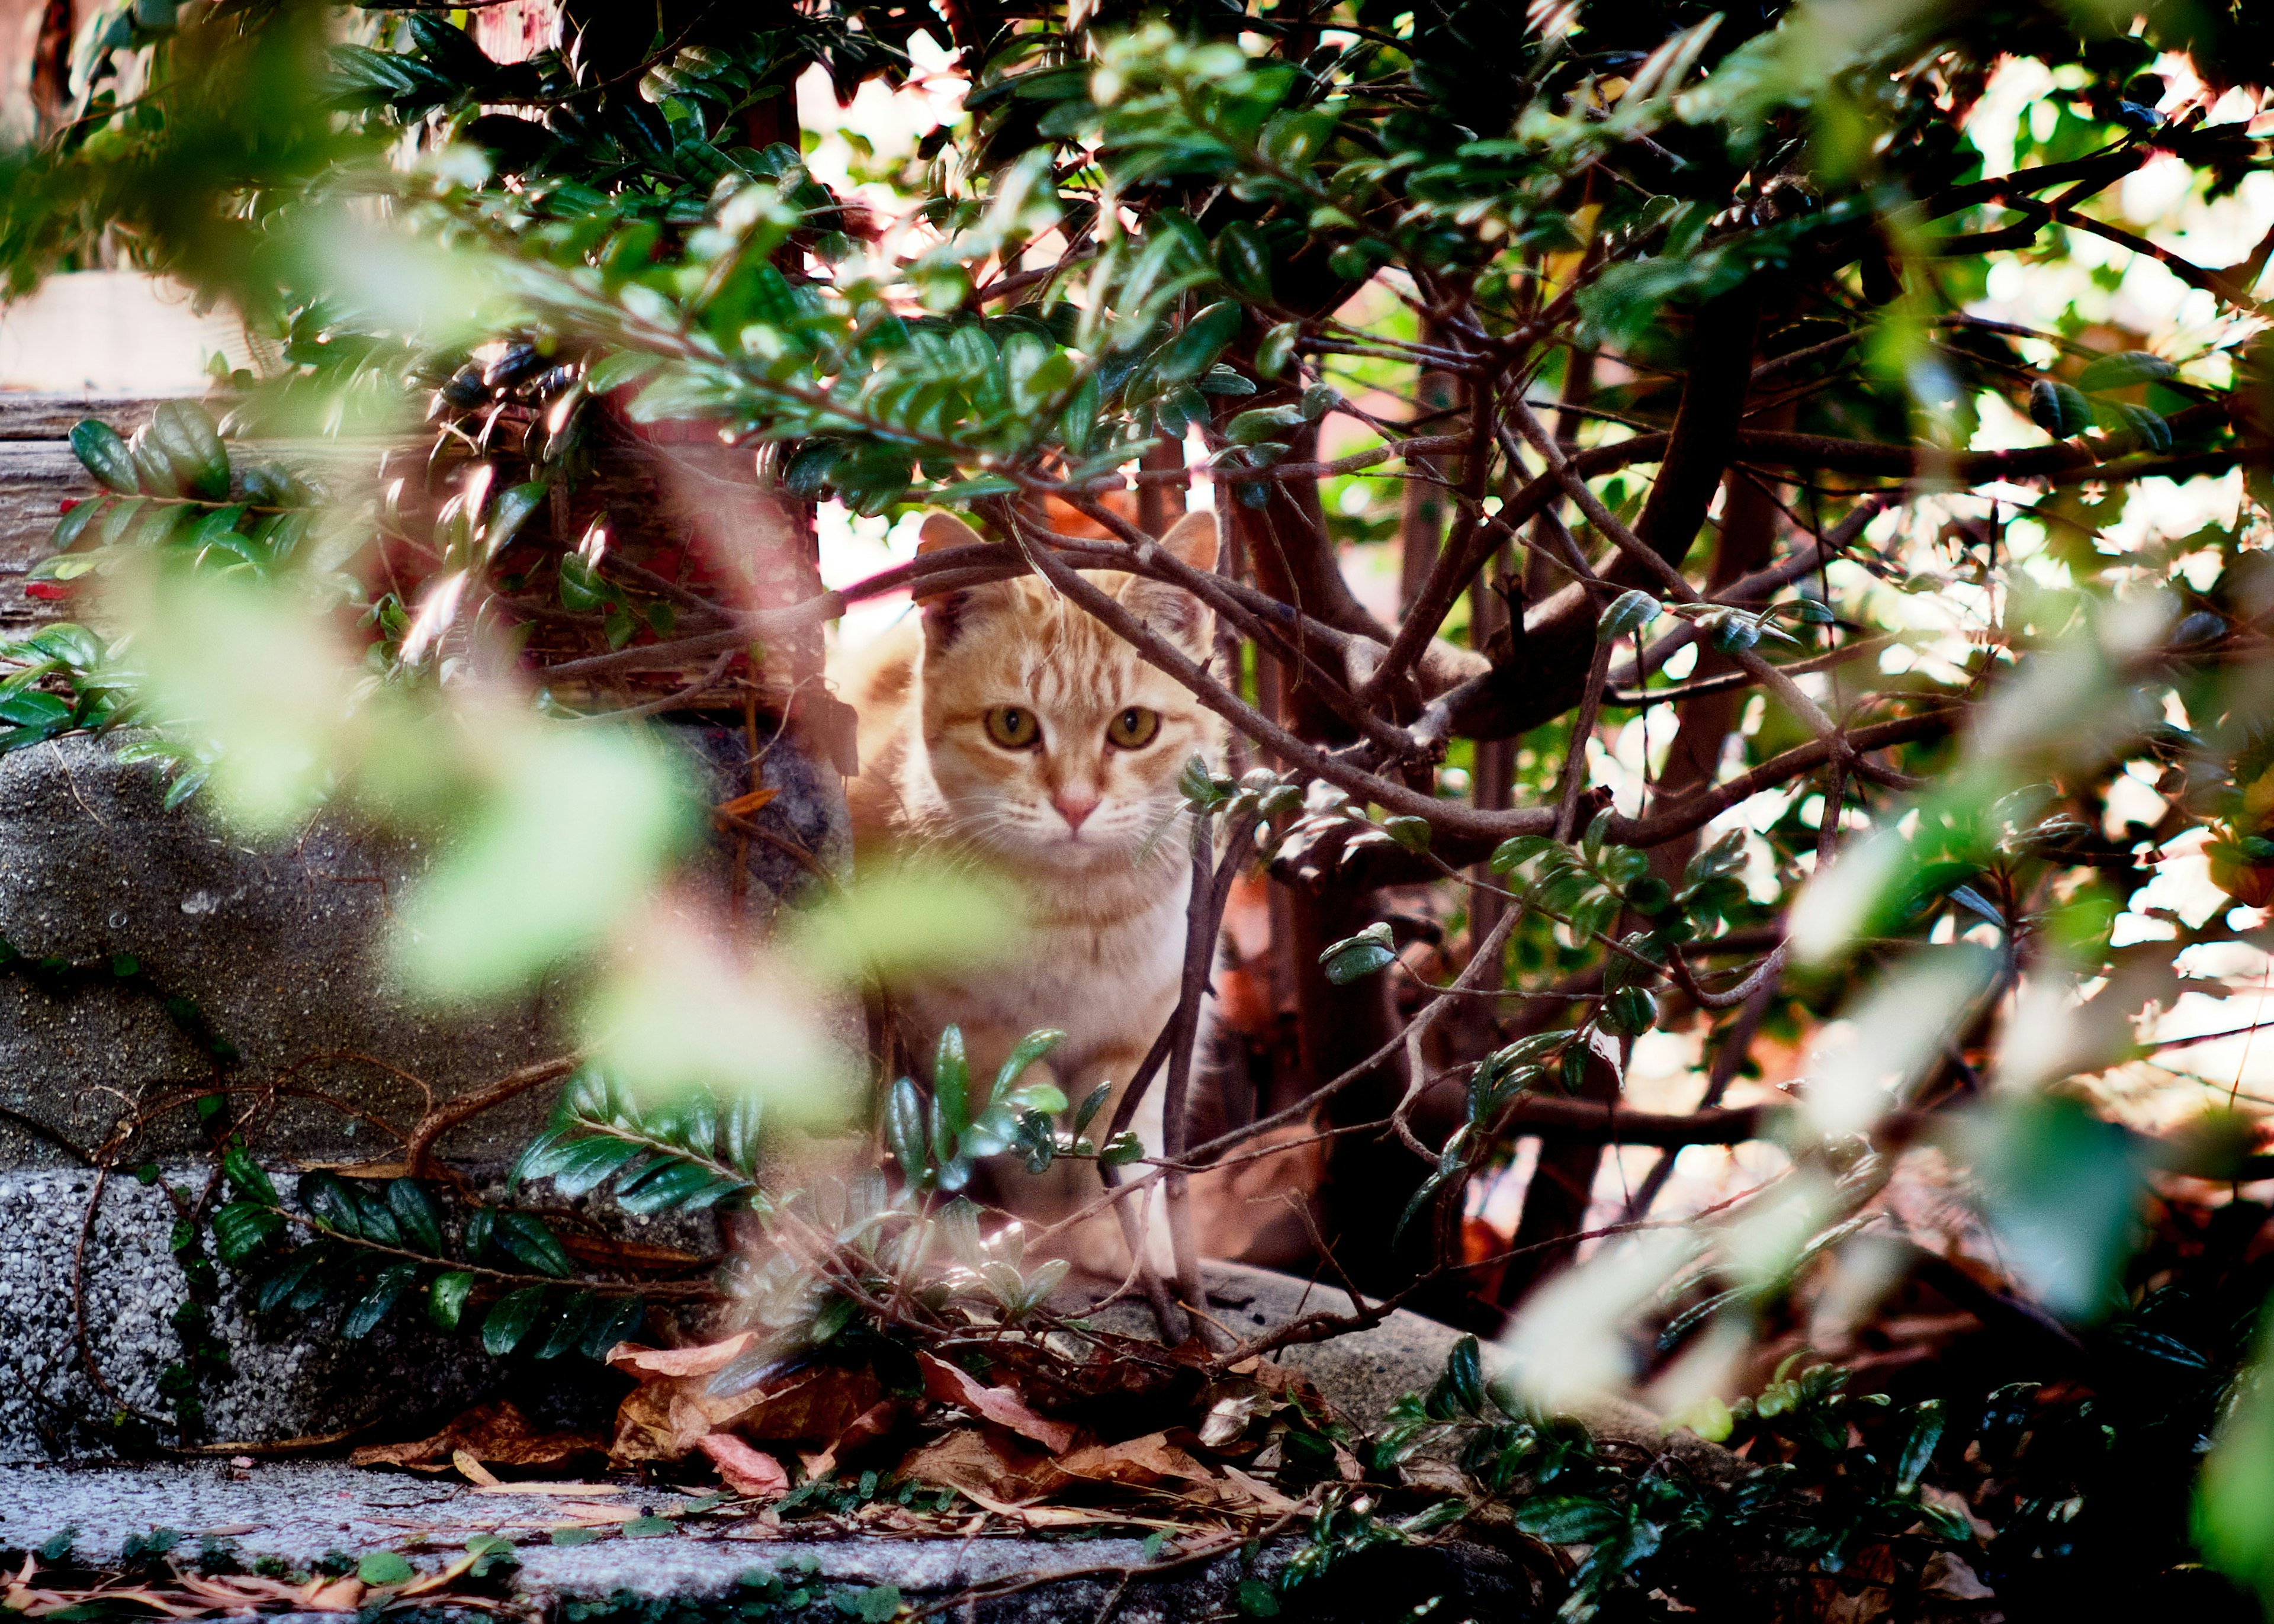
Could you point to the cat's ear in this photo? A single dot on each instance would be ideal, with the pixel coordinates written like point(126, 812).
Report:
point(1170, 610)
point(1193, 540)
point(943, 613)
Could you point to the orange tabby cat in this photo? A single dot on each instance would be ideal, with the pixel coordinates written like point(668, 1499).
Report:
point(1012, 729)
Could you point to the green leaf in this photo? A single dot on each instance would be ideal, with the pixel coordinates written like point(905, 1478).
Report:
point(445, 1298)
point(1355, 958)
point(1517, 850)
point(246, 1175)
point(614, 371)
point(872, 1605)
point(512, 509)
point(1091, 1105)
point(1028, 1050)
point(2147, 426)
point(1195, 349)
point(739, 1133)
point(1264, 423)
point(330, 1203)
point(384, 1568)
point(1919, 1448)
point(510, 1319)
point(1568, 1520)
point(416, 1215)
point(2058, 408)
point(649, 1527)
point(103, 451)
point(663, 1185)
point(376, 1303)
point(539, 1158)
point(1277, 348)
point(1120, 1150)
point(2117, 371)
point(1413, 833)
point(575, 1536)
point(1464, 1376)
point(588, 1163)
point(525, 1237)
point(1631, 1011)
point(951, 1086)
point(243, 1227)
point(612, 1321)
point(183, 432)
point(565, 1331)
point(1256, 1599)
point(1631, 612)
point(1243, 258)
point(904, 1133)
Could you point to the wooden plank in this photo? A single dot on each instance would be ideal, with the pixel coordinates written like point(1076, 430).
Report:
point(50, 416)
point(35, 478)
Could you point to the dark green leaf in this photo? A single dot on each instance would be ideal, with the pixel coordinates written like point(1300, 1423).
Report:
point(103, 451)
point(376, 1303)
point(243, 1227)
point(446, 1299)
point(1631, 612)
point(510, 1319)
point(246, 1175)
point(613, 1321)
point(904, 1132)
point(1568, 1519)
point(1919, 1448)
point(2058, 408)
point(330, 1202)
point(951, 1086)
point(1355, 958)
point(525, 1237)
point(416, 1215)
point(2116, 371)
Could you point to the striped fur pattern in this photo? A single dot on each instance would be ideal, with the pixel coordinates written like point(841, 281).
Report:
point(1088, 832)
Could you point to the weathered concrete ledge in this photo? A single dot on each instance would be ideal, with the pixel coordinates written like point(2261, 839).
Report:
point(301, 1513)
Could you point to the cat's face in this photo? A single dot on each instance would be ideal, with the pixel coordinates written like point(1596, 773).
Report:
point(1051, 742)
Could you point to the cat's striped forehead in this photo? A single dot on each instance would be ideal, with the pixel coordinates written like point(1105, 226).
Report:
point(1022, 640)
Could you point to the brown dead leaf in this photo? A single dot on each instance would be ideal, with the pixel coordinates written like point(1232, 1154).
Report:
point(496, 1434)
point(743, 1468)
point(332, 1595)
point(871, 1423)
point(668, 1417)
point(742, 806)
point(607, 1251)
point(703, 1360)
point(1140, 1462)
point(947, 1385)
point(990, 1465)
point(473, 1470)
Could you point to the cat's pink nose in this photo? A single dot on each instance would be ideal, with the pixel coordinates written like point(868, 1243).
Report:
point(1074, 808)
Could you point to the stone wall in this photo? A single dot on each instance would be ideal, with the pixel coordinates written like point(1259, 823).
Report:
point(150, 955)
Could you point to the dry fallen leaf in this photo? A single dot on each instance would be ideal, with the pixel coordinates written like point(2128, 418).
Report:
point(668, 1415)
point(742, 806)
point(989, 1465)
point(1141, 1461)
point(496, 1434)
point(743, 1468)
point(944, 1383)
point(703, 1360)
point(332, 1595)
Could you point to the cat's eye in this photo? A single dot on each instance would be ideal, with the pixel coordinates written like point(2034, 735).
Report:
point(1012, 727)
point(1133, 728)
